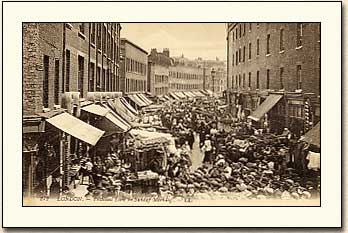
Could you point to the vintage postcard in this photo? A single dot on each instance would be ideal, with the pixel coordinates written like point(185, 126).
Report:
point(165, 114)
point(112, 114)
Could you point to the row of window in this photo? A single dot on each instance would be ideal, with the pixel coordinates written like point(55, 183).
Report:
point(181, 86)
point(135, 66)
point(186, 76)
point(134, 85)
point(240, 54)
point(239, 81)
point(240, 31)
point(102, 79)
point(107, 41)
point(161, 78)
point(161, 90)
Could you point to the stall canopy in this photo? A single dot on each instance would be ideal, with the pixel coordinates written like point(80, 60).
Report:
point(199, 94)
point(129, 107)
point(137, 100)
point(147, 137)
point(265, 107)
point(108, 114)
point(96, 109)
point(76, 128)
point(145, 99)
point(116, 119)
point(122, 110)
point(181, 95)
point(191, 94)
point(313, 136)
point(175, 96)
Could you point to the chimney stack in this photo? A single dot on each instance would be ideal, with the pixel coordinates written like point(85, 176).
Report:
point(166, 52)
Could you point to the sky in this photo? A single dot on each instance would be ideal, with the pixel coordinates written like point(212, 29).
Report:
point(205, 40)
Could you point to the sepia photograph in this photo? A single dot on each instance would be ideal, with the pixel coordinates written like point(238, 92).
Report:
point(212, 114)
point(133, 114)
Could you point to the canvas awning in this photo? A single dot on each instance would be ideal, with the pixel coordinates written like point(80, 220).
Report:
point(181, 95)
point(186, 94)
point(145, 99)
point(137, 100)
point(265, 107)
point(128, 106)
point(117, 120)
point(312, 136)
point(199, 94)
point(147, 137)
point(175, 96)
point(76, 128)
point(120, 109)
point(191, 94)
point(96, 109)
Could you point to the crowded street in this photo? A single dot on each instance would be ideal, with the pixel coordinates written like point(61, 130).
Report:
point(202, 160)
point(161, 124)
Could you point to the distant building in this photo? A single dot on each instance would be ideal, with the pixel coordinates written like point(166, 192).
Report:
point(133, 70)
point(275, 59)
point(185, 76)
point(158, 72)
point(214, 74)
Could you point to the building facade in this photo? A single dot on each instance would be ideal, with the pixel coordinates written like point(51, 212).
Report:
point(62, 62)
point(185, 76)
point(133, 67)
point(214, 74)
point(274, 57)
point(158, 72)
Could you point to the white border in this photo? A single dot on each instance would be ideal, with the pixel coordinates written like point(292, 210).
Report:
point(328, 215)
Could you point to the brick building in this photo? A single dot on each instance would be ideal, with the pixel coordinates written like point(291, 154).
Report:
point(62, 62)
point(158, 72)
point(133, 70)
point(185, 76)
point(274, 57)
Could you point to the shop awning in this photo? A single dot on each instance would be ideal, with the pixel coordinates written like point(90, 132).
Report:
point(167, 97)
point(145, 99)
point(186, 94)
point(120, 109)
point(137, 100)
point(312, 136)
point(128, 106)
point(76, 128)
point(117, 120)
point(181, 95)
point(265, 107)
point(96, 109)
point(175, 96)
point(199, 94)
point(191, 94)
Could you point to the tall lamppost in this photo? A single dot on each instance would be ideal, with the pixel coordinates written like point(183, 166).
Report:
point(213, 78)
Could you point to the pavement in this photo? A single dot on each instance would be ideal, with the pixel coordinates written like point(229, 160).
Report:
point(197, 155)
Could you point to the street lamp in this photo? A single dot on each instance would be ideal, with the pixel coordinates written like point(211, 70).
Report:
point(213, 78)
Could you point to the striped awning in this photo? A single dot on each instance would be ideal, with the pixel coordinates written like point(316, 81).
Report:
point(145, 99)
point(175, 96)
point(137, 100)
point(265, 107)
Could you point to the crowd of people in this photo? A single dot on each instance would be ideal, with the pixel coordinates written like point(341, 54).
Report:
point(244, 162)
